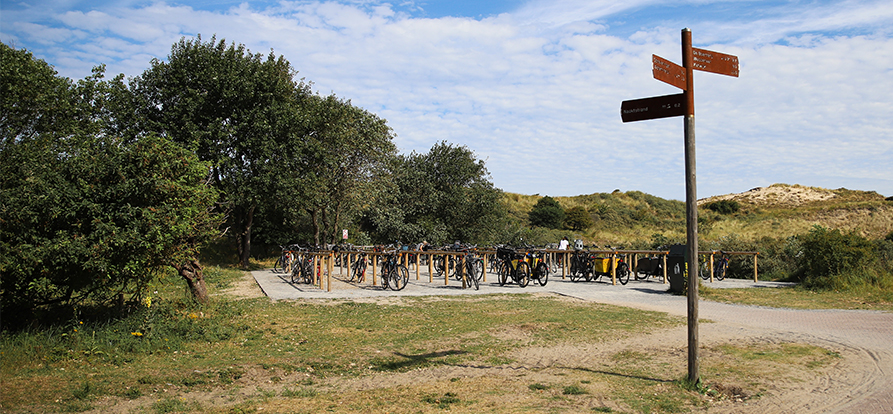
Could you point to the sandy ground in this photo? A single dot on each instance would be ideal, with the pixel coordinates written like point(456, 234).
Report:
point(861, 382)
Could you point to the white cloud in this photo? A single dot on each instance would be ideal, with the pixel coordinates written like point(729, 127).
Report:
point(537, 92)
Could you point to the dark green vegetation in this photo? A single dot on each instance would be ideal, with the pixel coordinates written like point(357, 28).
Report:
point(173, 355)
point(104, 182)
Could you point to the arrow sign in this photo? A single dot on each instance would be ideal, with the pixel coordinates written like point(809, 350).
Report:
point(709, 61)
point(653, 108)
point(669, 72)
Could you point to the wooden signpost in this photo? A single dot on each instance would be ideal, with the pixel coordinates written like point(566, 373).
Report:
point(684, 105)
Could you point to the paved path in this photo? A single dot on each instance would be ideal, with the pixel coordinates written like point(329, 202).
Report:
point(864, 338)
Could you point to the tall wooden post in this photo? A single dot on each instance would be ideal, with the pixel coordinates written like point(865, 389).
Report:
point(691, 207)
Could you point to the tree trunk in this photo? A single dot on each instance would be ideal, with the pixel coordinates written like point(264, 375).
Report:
point(244, 238)
point(192, 272)
point(313, 215)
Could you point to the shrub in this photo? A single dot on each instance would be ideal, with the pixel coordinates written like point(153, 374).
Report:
point(832, 260)
point(724, 206)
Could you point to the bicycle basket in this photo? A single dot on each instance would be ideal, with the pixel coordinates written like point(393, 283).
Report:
point(503, 253)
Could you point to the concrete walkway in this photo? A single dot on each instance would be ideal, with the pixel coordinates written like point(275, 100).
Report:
point(864, 338)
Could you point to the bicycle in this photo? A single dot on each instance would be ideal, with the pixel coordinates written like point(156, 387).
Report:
point(358, 271)
point(536, 260)
point(719, 267)
point(581, 266)
point(601, 266)
point(393, 274)
point(302, 270)
point(514, 267)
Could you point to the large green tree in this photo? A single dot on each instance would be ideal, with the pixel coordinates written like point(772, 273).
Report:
point(440, 196)
point(86, 215)
point(351, 150)
point(237, 111)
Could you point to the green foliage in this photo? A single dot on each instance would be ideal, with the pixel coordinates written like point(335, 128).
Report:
point(238, 111)
point(440, 196)
point(833, 260)
point(724, 206)
point(577, 218)
point(547, 212)
point(88, 218)
point(86, 215)
point(34, 101)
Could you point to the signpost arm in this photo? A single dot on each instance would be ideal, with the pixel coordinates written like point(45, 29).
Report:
point(691, 208)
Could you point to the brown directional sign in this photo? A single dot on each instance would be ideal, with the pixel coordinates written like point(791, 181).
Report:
point(669, 72)
point(709, 61)
point(653, 108)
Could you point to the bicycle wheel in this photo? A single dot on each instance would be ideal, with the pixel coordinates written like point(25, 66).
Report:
point(277, 267)
point(399, 277)
point(522, 274)
point(438, 266)
point(704, 270)
point(307, 272)
point(295, 274)
point(504, 273)
point(542, 273)
point(472, 281)
point(386, 276)
point(720, 272)
point(623, 273)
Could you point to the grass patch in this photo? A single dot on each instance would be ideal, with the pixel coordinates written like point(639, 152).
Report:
point(799, 298)
point(234, 345)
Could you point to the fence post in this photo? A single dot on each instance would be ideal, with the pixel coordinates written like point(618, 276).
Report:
point(664, 266)
point(484, 255)
point(755, 267)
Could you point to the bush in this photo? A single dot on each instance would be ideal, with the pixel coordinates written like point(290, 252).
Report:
point(724, 206)
point(832, 260)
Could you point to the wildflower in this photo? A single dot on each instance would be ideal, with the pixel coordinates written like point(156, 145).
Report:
point(147, 301)
point(137, 334)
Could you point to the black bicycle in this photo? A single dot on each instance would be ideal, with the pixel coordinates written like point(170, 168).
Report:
point(393, 274)
point(514, 267)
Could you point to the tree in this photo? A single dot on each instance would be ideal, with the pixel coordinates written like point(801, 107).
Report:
point(577, 218)
point(351, 148)
point(34, 100)
point(87, 215)
point(547, 212)
point(88, 218)
point(235, 110)
point(440, 196)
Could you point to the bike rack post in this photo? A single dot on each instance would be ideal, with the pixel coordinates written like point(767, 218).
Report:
point(374, 267)
point(430, 268)
point(614, 268)
point(349, 264)
point(712, 252)
point(418, 257)
point(664, 266)
point(446, 270)
point(331, 268)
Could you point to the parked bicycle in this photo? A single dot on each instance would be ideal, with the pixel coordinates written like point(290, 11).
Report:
point(601, 266)
point(514, 267)
point(358, 268)
point(719, 267)
point(393, 274)
point(537, 261)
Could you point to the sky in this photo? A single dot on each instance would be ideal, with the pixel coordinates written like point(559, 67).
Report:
point(534, 87)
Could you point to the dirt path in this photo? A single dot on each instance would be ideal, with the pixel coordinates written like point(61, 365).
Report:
point(861, 383)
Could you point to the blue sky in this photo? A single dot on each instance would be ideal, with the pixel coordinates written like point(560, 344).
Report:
point(534, 87)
